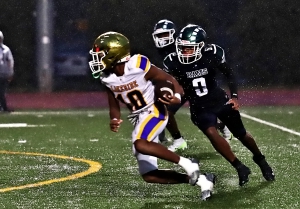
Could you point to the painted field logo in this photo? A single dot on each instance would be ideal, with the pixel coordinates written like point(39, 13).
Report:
point(94, 167)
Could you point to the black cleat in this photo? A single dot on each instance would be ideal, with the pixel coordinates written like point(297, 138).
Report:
point(243, 173)
point(265, 168)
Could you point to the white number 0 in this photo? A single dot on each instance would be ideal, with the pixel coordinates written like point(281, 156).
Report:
point(200, 86)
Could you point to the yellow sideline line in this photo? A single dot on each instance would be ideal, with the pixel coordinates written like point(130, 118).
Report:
point(94, 167)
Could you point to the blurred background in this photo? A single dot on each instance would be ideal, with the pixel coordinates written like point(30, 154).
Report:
point(261, 38)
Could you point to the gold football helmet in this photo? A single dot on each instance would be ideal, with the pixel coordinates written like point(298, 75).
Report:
point(109, 49)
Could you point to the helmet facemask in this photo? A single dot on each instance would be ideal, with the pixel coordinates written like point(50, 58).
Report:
point(102, 62)
point(188, 58)
point(163, 37)
point(97, 65)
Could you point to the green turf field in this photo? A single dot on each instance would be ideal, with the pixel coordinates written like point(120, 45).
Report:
point(70, 159)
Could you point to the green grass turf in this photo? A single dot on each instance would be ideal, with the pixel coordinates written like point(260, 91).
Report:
point(86, 135)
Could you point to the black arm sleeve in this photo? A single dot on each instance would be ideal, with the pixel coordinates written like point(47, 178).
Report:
point(231, 80)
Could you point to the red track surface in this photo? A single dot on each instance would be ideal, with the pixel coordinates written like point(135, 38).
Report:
point(68, 100)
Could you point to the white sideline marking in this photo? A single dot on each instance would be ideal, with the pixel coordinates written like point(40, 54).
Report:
point(64, 112)
point(21, 125)
point(270, 124)
point(100, 112)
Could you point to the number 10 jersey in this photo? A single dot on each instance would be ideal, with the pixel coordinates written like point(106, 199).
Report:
point(132, 88)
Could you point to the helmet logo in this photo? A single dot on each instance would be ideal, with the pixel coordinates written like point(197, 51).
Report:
point(193, 38)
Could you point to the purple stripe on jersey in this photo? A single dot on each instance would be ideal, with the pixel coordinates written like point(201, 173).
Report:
point(162, 112)
point(143, 63)
point(162, 115)
point(152, 123)
point(149, 127)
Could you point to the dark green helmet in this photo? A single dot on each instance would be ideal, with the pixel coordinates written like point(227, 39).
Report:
point(191, 37)
point(163, 33)
point(109, 49)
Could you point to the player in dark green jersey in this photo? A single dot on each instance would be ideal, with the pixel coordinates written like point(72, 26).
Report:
point(195, 65)
point(164, 39)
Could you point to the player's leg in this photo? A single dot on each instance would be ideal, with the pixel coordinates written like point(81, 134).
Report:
point(222, 146)
point(3, 87)
point(258, 157)
point(149, 171)
point(206, 121)
point(179, 143)
point(162, 138)
point(149, 125)
point(233, 121)
point(224, 131)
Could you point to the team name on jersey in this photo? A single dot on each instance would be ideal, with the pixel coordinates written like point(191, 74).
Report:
point(197, 73)
point(125, 87)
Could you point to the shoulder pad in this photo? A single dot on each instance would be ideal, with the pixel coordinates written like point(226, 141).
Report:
point(165, 57)
point(139, 61)
point(170, 57)
point(168, 61)
point(215, 50)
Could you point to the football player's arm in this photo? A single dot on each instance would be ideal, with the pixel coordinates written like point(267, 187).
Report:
point(114, 111)
point(232, 84)
point(156, 74)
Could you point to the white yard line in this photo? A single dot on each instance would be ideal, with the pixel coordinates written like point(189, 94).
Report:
point(63, 112)
point(11, 125)
point(270, 124)
point(21, 125)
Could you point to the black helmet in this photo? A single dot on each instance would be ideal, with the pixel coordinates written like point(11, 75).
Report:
point(190, 36)
point(163, 33)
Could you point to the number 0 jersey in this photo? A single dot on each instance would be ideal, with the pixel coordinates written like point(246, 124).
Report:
point(199, 79)
point(132, 88)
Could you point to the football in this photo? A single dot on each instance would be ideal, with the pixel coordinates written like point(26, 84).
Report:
point(164, 88)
